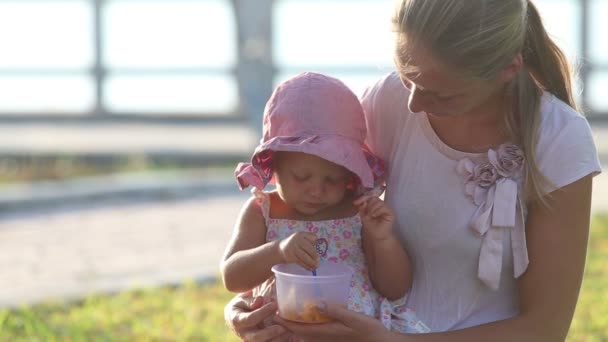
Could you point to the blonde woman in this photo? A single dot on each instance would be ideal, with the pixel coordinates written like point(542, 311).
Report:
point(490, 171)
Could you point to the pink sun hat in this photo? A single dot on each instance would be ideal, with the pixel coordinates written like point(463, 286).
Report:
point(314, 114)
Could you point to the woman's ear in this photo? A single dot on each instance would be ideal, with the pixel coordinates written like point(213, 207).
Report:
point(512, 69)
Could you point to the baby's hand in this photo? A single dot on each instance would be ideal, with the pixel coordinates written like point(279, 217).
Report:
point(299, 248)
point(377, 217)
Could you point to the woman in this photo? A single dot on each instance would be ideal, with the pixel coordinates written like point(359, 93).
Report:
point(490, 174)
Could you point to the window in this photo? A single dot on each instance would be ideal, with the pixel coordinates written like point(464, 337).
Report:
point(598, 58)
point(358, 50)
point(47, 53)
point(169, 56)
point(179, 57)
point(143, 57)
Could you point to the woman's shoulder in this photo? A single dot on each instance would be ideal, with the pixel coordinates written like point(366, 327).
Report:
point(386, 113)
point(555, 114)
point(565, 149)
point(390, 82)
point(558, 120)
point(386, 91)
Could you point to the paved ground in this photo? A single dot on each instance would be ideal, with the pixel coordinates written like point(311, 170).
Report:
point(76, 250)
point(119, 240)
point(125, 138)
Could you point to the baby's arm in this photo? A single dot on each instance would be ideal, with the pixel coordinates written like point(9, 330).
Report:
point(388, 263)
point(248, 257)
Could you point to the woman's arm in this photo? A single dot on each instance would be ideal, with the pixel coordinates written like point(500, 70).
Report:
point(244, 315)
point(248, 258)
point(548, 291)
point(557, 246)
point(388, 264)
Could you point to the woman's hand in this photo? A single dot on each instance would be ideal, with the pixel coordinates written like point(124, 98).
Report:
point(376, 216)
point(299, 248)
point(245, 315)
point(349, 326)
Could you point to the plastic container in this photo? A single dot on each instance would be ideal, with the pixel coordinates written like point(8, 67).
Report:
point(299, 292)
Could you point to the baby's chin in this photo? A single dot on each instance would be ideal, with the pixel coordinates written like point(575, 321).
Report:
point(309, 211)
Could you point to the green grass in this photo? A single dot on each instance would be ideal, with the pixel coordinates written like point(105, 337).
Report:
point(193, 312)
point(591, 317)
point(189, 313)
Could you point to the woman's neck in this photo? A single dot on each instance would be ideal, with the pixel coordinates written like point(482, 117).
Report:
point(476, 131)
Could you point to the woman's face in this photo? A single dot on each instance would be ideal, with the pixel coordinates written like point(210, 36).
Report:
point(437, 90)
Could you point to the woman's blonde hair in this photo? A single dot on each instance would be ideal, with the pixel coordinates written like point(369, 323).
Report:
point(480, 38)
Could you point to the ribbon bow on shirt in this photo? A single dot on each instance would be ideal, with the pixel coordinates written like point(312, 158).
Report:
point(500, 208)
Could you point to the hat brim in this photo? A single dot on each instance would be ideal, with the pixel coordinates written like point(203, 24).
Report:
point(336, 149)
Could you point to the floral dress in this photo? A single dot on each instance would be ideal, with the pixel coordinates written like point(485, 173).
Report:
point(340, 241)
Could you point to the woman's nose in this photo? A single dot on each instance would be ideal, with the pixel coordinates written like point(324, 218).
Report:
point(418, 102)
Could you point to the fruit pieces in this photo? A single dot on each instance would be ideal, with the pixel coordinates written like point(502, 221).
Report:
point(310, 314)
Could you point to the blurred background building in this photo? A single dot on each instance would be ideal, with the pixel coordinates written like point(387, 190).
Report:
point(98, 96)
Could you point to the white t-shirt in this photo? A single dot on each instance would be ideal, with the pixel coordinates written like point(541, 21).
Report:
point(434, 212)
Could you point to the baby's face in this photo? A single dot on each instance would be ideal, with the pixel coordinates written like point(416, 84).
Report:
point(309, 184)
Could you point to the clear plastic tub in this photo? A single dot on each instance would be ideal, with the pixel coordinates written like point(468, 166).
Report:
point(299, 292)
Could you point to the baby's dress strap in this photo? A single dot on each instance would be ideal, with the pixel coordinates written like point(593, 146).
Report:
point(396, 316)
point(263, 200)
